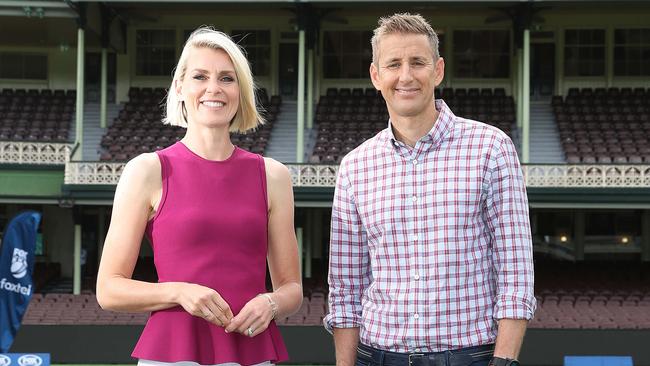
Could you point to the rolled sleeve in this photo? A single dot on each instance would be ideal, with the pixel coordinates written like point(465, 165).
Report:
point(349, 273)
point(509, 222)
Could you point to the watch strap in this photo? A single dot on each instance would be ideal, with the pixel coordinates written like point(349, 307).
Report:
point(499, 361)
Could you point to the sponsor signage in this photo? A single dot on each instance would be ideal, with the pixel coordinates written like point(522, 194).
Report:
point(16, 268)
point(24, 359)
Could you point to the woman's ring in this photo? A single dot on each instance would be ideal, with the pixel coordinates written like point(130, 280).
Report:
point(249, 331)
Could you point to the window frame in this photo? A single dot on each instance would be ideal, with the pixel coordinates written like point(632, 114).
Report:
point(23, 54)
point(172, 46)
point(643, 67)
point(257, 47)
point(364, 73)
point(451, 49)
point(578, 46)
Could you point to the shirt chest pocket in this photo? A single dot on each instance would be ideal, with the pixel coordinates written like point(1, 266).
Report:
point(455, 204)
point(388, 218)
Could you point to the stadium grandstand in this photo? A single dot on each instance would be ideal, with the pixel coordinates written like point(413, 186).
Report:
point(81, 86)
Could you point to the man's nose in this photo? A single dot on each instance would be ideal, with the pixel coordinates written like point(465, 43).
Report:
point(405, 72)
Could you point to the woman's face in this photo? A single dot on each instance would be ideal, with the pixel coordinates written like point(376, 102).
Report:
point(210, 88)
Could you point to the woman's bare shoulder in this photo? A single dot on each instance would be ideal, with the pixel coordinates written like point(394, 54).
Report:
point(276, 172)
point(143, 170)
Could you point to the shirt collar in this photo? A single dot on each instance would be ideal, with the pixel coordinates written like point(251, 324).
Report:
point(444, 123)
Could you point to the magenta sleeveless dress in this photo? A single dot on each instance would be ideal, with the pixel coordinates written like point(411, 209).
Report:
point(211, 230)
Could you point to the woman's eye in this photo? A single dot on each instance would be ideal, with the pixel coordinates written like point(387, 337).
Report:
point(199, 77)
point(228, 79)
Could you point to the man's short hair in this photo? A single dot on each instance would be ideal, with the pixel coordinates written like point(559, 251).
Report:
point(404, 23)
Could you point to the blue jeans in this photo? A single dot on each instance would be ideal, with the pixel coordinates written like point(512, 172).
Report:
point(371, 363)
point(470, 356)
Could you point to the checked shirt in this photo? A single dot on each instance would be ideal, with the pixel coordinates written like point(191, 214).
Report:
point(431, 245)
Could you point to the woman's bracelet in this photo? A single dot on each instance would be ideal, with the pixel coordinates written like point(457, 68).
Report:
point(274, 306)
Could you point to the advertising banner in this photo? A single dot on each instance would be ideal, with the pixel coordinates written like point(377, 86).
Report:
point(16, 269)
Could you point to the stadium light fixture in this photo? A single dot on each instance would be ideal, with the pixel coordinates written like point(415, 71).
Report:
point(625, 240)
point(563, 238)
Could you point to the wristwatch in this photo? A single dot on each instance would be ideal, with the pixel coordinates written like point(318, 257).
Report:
point(498, 361)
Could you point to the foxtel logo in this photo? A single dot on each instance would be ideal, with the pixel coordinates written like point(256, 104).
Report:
point(15, 287)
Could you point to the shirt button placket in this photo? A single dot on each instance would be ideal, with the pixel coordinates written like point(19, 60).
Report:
point(416, 246)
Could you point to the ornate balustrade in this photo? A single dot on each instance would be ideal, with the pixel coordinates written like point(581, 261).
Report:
point(92, 172)
point(587, 176)
point(36, 153)
point(310, 175)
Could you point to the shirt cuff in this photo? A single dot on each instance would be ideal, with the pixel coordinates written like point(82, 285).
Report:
point(515, 307)
point(347, 320)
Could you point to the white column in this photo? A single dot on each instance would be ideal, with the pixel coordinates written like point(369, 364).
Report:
point(103, 89)
point(81, 49)
point(520, 88)
point(526, 100)
point(300, 132)
point(76, 280)
point(310, 88)
point(300, 247)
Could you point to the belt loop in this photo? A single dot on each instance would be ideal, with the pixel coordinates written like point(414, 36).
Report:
point(381, 358)
point(448, 358)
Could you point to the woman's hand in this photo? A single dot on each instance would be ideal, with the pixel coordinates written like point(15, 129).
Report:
point(253, 318)
point(204, 302)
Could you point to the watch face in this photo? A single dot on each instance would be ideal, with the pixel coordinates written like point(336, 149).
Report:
point(514, 363)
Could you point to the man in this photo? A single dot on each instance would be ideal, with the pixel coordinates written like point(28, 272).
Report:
point(431, 255)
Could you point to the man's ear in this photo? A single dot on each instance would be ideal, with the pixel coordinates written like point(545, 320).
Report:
point(374, 75)
point(439, 70)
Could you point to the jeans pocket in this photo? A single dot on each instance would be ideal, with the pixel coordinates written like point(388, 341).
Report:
point(481, 362)
point(467, 360)
point(364, 358)
point(362, 362)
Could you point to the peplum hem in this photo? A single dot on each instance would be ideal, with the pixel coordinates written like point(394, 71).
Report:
point(173, 335)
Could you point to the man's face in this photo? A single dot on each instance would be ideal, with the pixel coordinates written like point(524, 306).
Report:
point(406, 74)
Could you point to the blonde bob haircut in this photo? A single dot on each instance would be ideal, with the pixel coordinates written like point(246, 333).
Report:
point(247, 116)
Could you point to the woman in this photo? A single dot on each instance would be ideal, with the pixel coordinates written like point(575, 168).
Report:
point(214, 214)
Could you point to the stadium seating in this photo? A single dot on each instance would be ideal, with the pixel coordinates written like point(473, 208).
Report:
point(81, 309)
point(36, 115)
point(604, 125)
point(314, 305)
point(570, 296)
point(138, 126)
point(557, 309)
point(55, 308)
point(590, 296)
point(347, 117)
point(490, 106)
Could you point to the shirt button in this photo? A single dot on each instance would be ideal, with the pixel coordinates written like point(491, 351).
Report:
point(414, 237)
point(415, 198)
point(417, 277)
point(415, 161)
point(415, 316)
point(417, 350)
